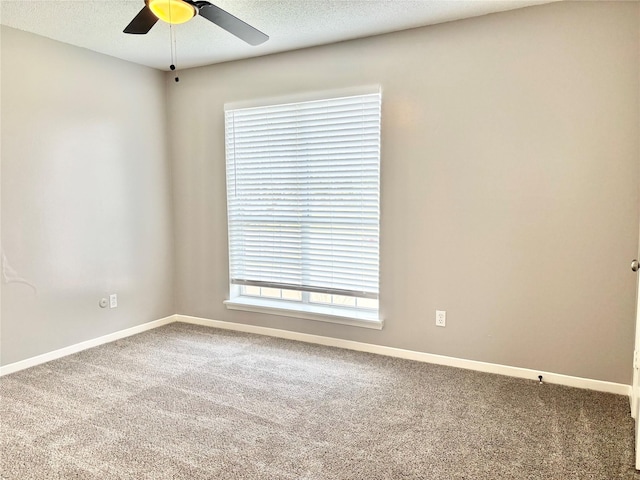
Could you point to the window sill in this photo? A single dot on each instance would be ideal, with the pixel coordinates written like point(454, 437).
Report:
point(322, 313)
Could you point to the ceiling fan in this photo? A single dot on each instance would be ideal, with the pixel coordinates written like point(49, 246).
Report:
point(180, 11)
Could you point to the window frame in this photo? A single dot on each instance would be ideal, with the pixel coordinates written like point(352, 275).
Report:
point(341, 314)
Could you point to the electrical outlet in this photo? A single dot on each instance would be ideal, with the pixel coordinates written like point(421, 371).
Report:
point(441, 318)
point(113, 300)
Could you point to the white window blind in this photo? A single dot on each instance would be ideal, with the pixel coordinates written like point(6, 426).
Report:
point(303, 195)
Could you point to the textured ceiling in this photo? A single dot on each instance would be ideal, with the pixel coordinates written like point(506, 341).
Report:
point(291, 24)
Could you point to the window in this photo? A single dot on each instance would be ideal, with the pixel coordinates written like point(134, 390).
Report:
point(303, 204)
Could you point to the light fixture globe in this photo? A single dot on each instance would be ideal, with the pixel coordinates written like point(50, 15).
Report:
point(172, 11)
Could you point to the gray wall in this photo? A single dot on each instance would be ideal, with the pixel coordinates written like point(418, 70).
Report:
point(509, 183)
point(86, 200)
point(509, 187)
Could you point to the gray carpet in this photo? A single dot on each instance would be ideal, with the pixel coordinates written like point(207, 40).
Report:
point(188, 402)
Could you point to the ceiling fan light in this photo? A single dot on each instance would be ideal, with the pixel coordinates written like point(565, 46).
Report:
point(172, 11)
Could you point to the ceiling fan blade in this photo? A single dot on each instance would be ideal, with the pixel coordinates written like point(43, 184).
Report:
point(142, 22)
point(232, 24)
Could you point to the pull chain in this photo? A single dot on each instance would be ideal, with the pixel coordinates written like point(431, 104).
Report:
point(174, 56)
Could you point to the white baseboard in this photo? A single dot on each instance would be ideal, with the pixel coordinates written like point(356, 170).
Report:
point(78, 347)
point(548, 377)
